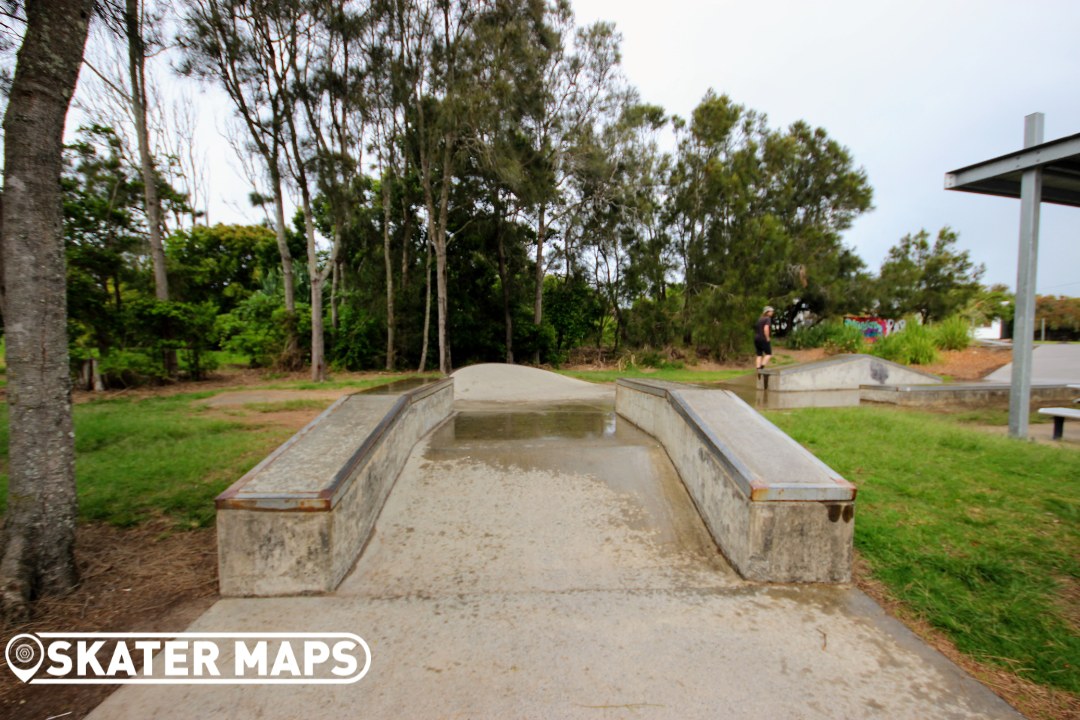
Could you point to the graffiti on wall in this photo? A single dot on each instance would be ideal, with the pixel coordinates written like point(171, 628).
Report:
point(875, 327)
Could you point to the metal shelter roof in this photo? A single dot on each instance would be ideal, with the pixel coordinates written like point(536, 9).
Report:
point(1059, 161)
point(1041, 172)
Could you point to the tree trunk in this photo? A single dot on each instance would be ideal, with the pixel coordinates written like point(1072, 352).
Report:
point(152, 203)
point(290, 357)
point(335, 297)
point(504, 280)
point(538, 303)
point(151, 200)
point(427, 312)
point(39, 529)
point(389, 276)
point(318, 361)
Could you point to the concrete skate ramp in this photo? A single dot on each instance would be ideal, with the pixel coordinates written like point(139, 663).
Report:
point(546, 561)
point(843, 372)
point(495, 382)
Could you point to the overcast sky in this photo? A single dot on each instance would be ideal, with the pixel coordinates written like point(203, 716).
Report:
point(914, 88)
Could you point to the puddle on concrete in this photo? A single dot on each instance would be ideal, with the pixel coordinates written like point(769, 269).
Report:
point(589, 442)
point(550, 423)
point(746, 388)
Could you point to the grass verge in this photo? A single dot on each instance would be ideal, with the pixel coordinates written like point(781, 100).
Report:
point(137, 459)
point(978, 535)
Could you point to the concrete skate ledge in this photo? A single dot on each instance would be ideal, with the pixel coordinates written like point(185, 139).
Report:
point(842, 372)
point(975, 394)
point(777, 512)
point(297, 521)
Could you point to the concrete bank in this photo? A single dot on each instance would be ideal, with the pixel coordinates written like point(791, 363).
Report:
point(842, 372)
point(777, 512)
point(296, 523)
point(545, 561)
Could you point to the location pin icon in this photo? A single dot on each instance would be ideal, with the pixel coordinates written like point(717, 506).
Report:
point(24, 655)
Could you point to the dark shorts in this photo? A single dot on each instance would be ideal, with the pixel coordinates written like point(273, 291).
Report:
point(763, 347)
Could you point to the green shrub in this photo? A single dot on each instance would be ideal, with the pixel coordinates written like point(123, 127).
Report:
point(256, 328)
point(125, 368)
point(914, 345)
point(833, 335)
point(952, 334)
point(844, 338)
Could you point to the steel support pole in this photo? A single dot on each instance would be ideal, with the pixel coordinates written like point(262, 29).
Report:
point(1024, 319)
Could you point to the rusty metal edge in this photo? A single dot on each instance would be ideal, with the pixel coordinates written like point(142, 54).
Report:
point(753, 486)
point(228, 495)
point(324, 499)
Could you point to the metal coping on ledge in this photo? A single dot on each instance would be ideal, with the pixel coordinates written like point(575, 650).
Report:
point(325, 498)
point(752, 485)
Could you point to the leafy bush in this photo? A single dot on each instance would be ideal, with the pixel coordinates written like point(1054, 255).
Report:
point(125, 368)
point(358, 342)
point(835, 336)
point(844, 338)
point(914, 345)
point(952, 334)
point(256, 328)
point(647, 357)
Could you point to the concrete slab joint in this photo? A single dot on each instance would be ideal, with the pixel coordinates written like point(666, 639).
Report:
point(295, 524)
point(776, 512)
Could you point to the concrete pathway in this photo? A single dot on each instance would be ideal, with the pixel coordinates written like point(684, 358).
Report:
point(1051, 364)
point(544, 561)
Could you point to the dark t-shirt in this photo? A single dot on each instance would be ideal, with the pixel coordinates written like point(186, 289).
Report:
point(759, 327)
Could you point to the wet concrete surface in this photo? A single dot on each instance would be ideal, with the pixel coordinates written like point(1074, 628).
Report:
point(399, 386)
point(745, 387)
point(546, 562)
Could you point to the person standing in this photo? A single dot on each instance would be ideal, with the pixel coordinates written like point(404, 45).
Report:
point(763, 338)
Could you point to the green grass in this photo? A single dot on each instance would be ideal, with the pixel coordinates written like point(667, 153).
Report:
point(977, 534)
point(138, 459)
point(671, 374)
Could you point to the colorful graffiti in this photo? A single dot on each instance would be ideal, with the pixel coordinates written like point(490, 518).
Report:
point(875, 327)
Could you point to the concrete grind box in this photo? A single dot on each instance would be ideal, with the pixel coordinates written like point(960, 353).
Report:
point(296, 523)
point(776, 512)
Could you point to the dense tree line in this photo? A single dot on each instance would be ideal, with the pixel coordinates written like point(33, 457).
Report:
point(487, 159)
point(472, 180)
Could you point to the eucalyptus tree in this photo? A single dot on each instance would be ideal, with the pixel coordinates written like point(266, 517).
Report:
point(39, 526)
point(581, 83)
point(221, 43)
point(731, 245)
point(620, 217)
point(324, 83)
point(929, 278)
point(757, 216)
point(513, 45)
point(135, 30)
point(437, 40)
point(816, 192)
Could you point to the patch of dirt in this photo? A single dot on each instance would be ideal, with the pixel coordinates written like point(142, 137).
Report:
point(1036, 702)
point(264, 396)
point(150, 578)
point(973, 363)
